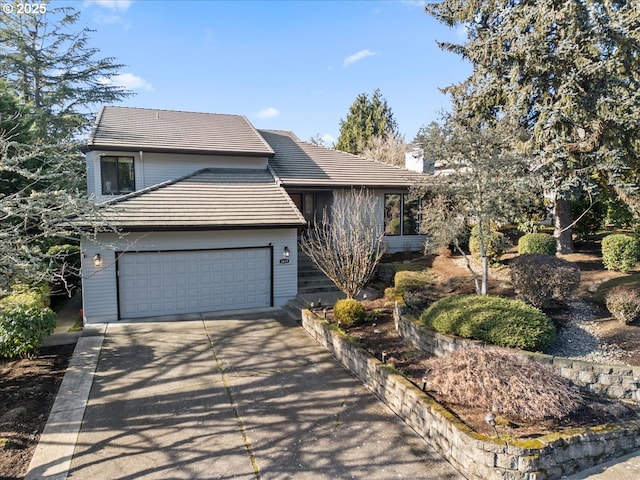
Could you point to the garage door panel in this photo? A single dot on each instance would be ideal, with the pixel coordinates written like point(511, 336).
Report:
point(166, 283)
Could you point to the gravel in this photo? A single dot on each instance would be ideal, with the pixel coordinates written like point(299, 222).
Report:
point(577, 339)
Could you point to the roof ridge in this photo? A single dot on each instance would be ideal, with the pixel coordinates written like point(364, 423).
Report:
point(172, 110)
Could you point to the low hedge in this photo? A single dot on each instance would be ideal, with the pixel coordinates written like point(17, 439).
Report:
point(620, 252)
point(537, 243)
point(496, 320)
point(25, 321)
point(411, 281)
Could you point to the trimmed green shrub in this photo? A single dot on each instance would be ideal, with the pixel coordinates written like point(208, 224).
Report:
point(349, 312)
point(502, 382)
point(496, 320)
point(411, 281)
point(25, 320)
point(623, 303)
point(620, 252)
point(497, 244)
point(538, 279)
point(537, 243)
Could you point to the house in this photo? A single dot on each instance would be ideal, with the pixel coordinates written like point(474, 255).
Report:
point(210, 208)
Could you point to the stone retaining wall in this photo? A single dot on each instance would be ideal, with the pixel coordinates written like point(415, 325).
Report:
point(615, 381)
point(477, 456)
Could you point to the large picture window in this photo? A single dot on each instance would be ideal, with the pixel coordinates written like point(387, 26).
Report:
point(117, 175)
point(401, 215)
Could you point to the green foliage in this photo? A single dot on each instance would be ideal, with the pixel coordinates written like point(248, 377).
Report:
point(591, 216)
point(411, 281)
point(496, 243)
point(538, 278)
point(349, 312)
point(537, 243)
point(367, 119)
point(568, 71)
point(502, 382)
point(620, 252)
point(47, 58)
point(25, 320)
point(623, 303)
point(499, 321)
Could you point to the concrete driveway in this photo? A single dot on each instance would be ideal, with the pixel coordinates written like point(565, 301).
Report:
point(242, 397)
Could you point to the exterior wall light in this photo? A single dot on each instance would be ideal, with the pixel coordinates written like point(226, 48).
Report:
point(286, 252)
point(97, 260)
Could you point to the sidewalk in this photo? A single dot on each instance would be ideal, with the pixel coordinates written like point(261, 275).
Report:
point(67, 317)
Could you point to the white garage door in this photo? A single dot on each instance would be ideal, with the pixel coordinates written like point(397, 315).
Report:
point(168, 283)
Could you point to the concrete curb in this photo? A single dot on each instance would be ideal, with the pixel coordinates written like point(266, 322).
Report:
point(52, 457)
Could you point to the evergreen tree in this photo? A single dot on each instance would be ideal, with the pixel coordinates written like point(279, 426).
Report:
point(367, 118)
point(569, 72)
point(54, 71)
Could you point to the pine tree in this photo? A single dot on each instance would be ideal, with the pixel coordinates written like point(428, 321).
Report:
point(54, 71)
point(569, 71)
point(367, 118)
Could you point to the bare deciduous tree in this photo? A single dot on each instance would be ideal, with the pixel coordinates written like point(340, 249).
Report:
point(347, 244)
point(387, 148)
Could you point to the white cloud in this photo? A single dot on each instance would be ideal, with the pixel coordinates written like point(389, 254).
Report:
point(328, 139)
point(351, 59)
point(115, 5)
point(128, 81)
point(270, 112)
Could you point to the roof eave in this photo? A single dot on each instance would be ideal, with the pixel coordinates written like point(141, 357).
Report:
point(194, 151)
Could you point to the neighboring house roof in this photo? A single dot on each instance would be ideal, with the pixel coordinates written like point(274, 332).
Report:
point(304, 164)
point(207, 199)
point(125, 128)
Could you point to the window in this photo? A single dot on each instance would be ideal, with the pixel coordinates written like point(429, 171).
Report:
point(117, 175)
point(401, 215)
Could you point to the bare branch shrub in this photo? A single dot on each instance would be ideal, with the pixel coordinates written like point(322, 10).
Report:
point(623, 303)
point(503, 383)
point(348, 244)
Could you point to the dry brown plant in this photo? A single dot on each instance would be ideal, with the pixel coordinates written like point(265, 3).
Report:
point(503, 383)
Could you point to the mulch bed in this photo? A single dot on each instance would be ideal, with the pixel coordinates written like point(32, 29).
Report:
point(28, 389)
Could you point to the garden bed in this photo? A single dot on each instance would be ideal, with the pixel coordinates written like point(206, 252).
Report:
point(478, 455)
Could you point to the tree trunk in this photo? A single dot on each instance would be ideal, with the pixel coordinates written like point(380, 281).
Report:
point(485, 276)
point(563, 232)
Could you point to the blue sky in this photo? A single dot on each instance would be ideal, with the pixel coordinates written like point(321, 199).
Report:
point(292, 65)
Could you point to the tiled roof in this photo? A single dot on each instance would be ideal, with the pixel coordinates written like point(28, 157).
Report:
point(124, 128)
point(207, 199)
point(298, 163)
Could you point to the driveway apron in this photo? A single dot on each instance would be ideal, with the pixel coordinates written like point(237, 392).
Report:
point(246, 397)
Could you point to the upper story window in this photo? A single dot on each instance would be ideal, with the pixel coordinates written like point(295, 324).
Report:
point(117, 175)
point(401, 215)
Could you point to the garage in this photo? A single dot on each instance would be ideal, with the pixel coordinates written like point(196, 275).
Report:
point(193, 281)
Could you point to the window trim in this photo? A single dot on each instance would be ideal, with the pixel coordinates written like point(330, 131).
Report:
point(117, 190)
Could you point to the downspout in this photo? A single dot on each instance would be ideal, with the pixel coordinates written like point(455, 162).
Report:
point(141, 154)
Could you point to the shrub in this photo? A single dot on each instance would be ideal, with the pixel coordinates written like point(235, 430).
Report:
point(538, 279)
point(411, 281)
point(623, 303)
point(497, 244)
point(349, 312)
point(537, 243)
point(500, 321)
point(502, 382)
point(620, 252)
point(25, 320)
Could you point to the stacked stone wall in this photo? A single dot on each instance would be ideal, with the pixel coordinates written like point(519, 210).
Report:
point(477, 456)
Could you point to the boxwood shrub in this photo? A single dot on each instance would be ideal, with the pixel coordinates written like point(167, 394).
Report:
point(411, 281)
point(620, 252)
point(497, 244)
point(25, 320)
point(349, 312)
point(496, 320)
point(537, 243)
